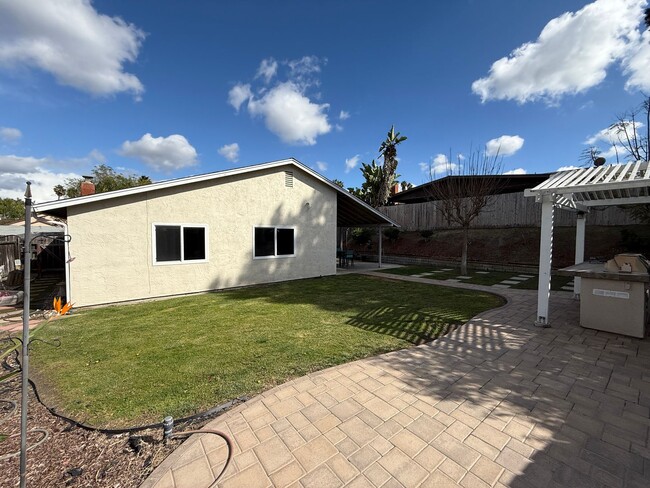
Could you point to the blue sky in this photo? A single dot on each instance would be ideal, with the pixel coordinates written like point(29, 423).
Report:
point(173, 88)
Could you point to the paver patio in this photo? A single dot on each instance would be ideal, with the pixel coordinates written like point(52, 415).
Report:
point(497, 402)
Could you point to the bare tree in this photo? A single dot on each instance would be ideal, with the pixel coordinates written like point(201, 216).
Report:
point(466, 191)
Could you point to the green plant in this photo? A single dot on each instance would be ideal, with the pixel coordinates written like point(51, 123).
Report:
point(392, 233)
point(361, 235)
point(426, 234)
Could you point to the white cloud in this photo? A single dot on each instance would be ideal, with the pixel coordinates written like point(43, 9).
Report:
point(343, 115)
point(571, 55)
point(267, 70)
point(287, 109)
point(238, 94)
point(440, 165)
point(637, 63)
point(69, 39)
point(10, 134)
point(230, 152)
point(303, 71)
point(321, 166)
point(161, 153)
point(567, 168)
point(517, 171)
point(613, 134)
point(504, 145)
point(351, 163)
point(44, 174)
point(290, 115)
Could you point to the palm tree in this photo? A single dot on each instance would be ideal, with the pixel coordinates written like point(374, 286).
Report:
point(388, 150)
point(59, 191)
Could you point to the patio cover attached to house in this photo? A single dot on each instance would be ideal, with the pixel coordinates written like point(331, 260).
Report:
point(578, 190)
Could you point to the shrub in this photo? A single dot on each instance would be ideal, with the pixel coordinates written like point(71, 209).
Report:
point(361, 235)
point(426, 234)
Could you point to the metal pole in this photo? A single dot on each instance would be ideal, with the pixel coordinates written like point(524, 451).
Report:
point(545, 260)
point(379, 238)
point(27, 257)
point(580, 250)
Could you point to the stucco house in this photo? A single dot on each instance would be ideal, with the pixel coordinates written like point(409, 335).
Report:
point(265, 223)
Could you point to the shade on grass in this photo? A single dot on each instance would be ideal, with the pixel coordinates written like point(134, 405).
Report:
point(130, 364)
point(492, 278)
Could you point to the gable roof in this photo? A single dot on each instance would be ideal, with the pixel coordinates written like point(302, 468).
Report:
point(503, 184)
point(352, 212)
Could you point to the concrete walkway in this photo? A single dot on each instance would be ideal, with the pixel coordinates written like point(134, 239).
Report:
point(497, 402)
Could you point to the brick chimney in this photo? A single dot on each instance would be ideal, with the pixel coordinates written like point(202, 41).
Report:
point(394, 189)
point(87, 186)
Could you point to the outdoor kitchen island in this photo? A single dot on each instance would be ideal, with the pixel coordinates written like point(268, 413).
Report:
point(614, 295)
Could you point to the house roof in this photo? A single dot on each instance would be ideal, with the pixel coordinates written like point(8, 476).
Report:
point(352, 212)
point(613, 184)
point(504, 184)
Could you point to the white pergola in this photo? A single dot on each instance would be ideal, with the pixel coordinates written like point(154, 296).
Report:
point(578, 190)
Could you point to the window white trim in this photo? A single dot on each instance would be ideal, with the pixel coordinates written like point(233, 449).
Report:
point(275, 243)
point(182, 261)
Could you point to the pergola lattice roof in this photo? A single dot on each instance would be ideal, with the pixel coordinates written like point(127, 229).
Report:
point(615, 184)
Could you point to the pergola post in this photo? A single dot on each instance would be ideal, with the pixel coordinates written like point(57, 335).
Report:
point(545, 260)
point(379, 240)
point(580, 249)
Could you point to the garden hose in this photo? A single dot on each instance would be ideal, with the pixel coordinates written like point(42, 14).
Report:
point(33, 445)
point(215, 432)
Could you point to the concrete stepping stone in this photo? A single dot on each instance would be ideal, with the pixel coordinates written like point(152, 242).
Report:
point(519, 278)
point(453, 280)
point(509, 282)
point(500, 285)
point(527, 276)
point(482, 272)
point(463, 277)
point(446, 269)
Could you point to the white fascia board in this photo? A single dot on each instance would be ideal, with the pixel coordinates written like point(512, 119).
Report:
point(98, 197)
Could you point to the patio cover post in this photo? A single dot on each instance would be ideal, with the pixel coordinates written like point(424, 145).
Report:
point(545, 260)
point(580, 248)
point(379, 240)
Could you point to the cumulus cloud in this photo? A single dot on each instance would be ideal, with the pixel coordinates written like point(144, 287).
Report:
point(572, 54)
point(161, 153)
point(321, 166)
point(70, 40)
point(44, 174)
point(343, 115)
point(567, 168)
point(267, 70)
point(10, 134)
point(286, 107)
point(290, 115)
point(238, 94)
point(504, 145)
point(351, 163)
point(517, 171)
point(230, 152)
point(611, 141)
point(440, 165)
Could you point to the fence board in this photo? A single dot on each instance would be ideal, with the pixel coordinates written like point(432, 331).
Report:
point(507, 210)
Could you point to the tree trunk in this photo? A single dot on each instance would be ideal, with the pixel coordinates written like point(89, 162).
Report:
point(463, 259)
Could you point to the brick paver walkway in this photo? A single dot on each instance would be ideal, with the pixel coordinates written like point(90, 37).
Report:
point(495, 403)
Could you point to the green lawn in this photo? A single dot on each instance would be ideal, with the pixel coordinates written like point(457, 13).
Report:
point(127, 364)
point(493, 278)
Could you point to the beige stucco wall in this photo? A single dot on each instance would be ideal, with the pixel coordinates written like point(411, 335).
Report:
point(112, 239)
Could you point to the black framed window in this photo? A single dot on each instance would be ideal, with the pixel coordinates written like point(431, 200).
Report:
point(180, 243)
point(274, 242)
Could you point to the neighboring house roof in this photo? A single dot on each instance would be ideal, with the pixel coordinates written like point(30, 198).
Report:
point(19, 230)
point(352, 212)
point(503, 184)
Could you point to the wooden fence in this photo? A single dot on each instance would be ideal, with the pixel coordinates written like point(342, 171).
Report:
point(507, 210)
point(9, 251)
